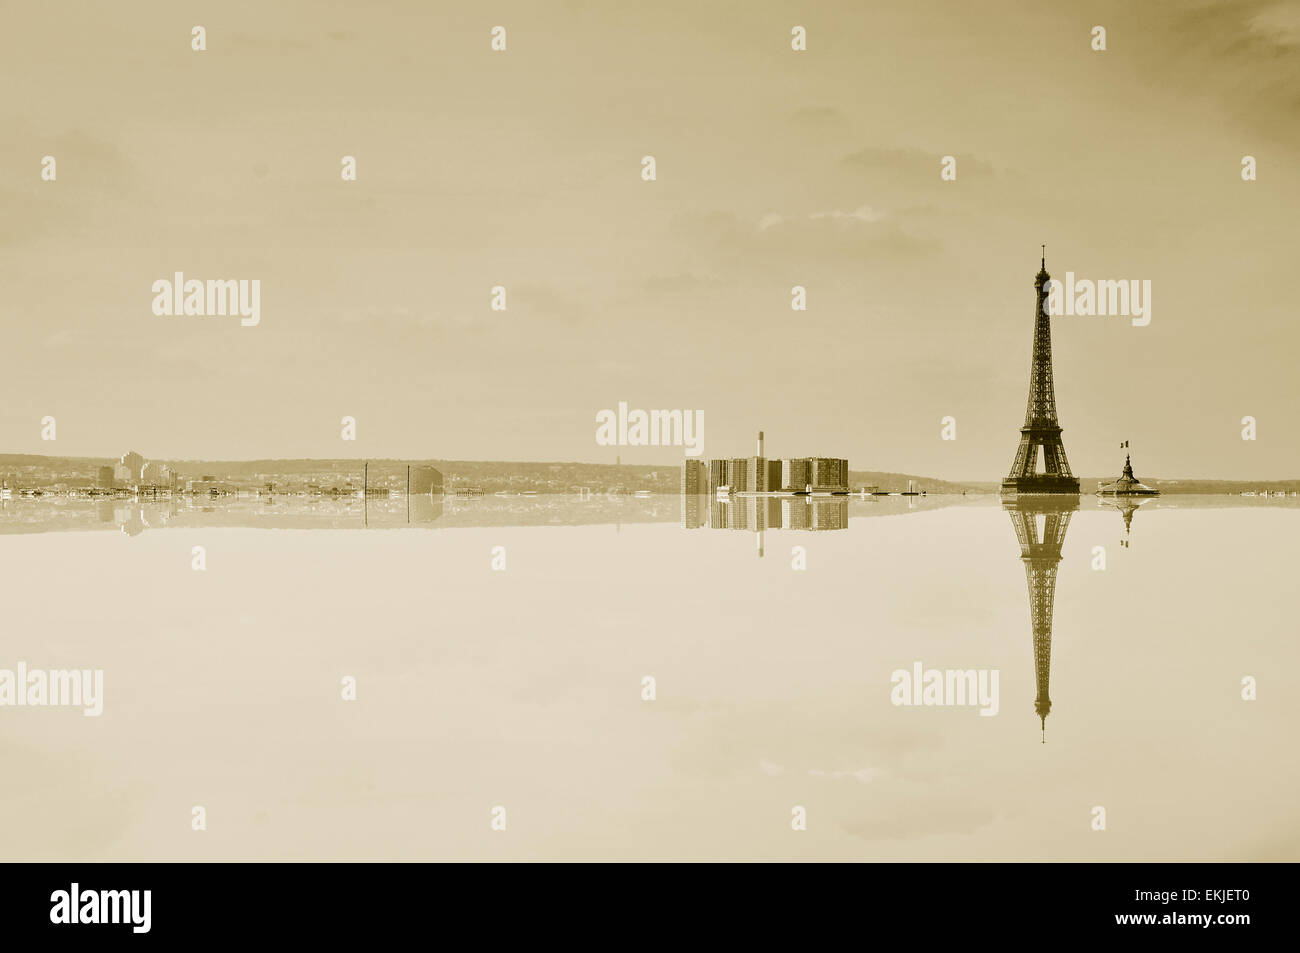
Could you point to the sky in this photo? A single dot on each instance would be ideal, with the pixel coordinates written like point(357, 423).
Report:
point(775, 168)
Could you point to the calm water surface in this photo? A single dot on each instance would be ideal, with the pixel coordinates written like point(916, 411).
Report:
point(522, 687)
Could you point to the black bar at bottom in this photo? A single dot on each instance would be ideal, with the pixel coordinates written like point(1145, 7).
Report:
point(969, 902)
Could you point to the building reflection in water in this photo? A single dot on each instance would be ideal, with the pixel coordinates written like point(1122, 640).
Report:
point(758, 514)
point(1126, 507)
point(424, 508)
point(1040, 524)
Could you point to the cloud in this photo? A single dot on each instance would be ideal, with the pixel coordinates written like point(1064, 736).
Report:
point(819, 118)
point(912, 163)
point(94, 181)
point(774, 239)
point(863, 213)
point(1241, 54)
point(1279, 25)
point(861, 774)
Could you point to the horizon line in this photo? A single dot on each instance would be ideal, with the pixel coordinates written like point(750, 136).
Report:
point(406, 460)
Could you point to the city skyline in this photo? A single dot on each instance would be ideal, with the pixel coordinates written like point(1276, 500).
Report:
point(819, 170)
point(988, 483)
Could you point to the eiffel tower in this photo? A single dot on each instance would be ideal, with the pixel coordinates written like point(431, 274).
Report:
point(1041, 554)
point(1041, 430)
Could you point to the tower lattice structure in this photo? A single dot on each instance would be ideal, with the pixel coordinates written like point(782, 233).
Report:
point(1041, 554)
point(1041, 432)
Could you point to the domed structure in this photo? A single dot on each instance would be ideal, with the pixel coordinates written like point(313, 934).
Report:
point(1127, 484)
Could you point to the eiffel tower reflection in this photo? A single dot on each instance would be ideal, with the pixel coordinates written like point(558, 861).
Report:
point(1040, 551)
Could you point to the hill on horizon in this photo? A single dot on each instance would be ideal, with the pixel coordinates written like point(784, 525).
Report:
point(27, 469)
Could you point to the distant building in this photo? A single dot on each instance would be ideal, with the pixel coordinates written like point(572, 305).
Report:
point(758, 474)
point(695, 477)
point(821, 473)
point(425, 480)
point(761, 474)
point(717, 474)
point(829, 473)
point(1129, 485)
point(131, 463)
point(210, 487)
point(738, 474)
point(796, 474)
point(104, 478)
point(155, 474)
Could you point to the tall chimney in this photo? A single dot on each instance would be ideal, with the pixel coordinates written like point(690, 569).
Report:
point(760, 443)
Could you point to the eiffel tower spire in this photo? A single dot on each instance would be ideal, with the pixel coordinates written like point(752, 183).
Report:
point(1042, 430)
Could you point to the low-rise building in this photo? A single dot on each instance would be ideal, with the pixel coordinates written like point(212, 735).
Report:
point(695, 477)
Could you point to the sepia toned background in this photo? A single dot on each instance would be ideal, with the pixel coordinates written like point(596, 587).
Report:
point(775, 168)
point(522, 687)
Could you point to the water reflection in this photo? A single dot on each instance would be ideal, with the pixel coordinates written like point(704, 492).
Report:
point(753, 514)
point(1041, 524)
point(302, 512)
point(750, 514)
point(758, 514)
point(1127, 507)
point(776, 693)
